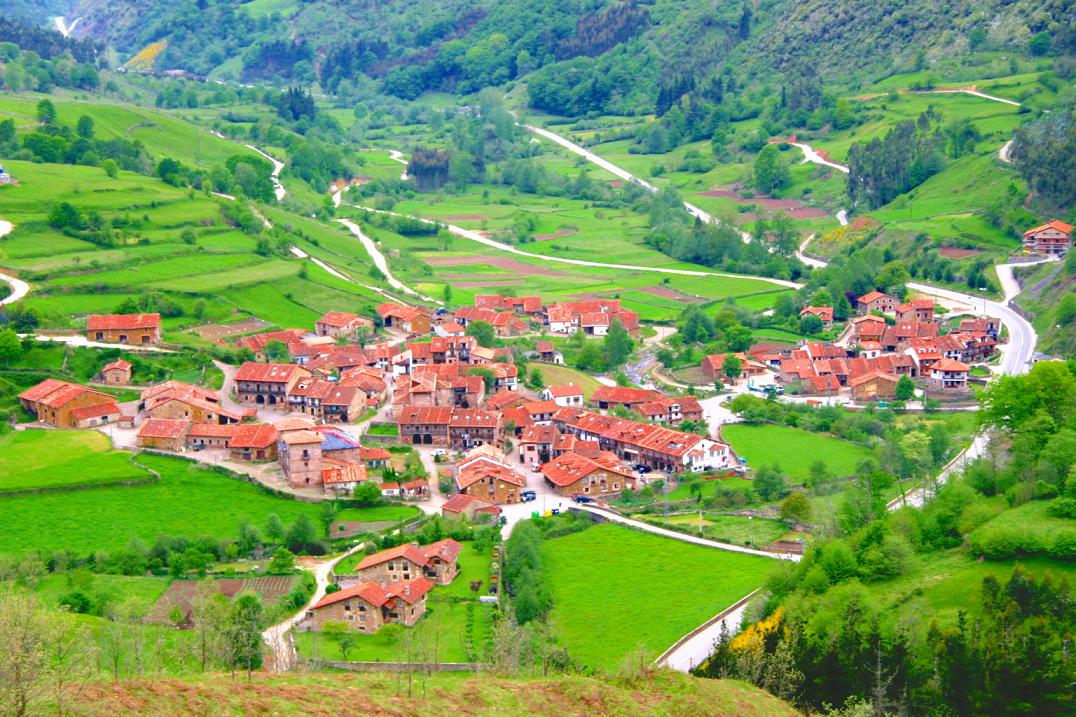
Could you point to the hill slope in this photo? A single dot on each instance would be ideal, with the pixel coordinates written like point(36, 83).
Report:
point(447, 693)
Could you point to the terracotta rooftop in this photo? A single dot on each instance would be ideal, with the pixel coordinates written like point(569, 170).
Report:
point(339, 319)
point(121, 322)
point(254, 435)
point(429, 415)
point(118, 364)
point(1054, 224)
point(569, 468)
point(446, 550)
point(163, 428)
point(268, 372)
point(410, 591)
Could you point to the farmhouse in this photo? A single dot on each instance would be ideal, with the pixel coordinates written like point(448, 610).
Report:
point(68, 405)
point(571, 474)
point(877, 301)
point(916, 310)
point(536, 445)
point(1051, 239)
point(825, 313)
point(254, 442)
point(874, 386)
point(116, 373)
point(671, 409)
point(408, 319)
point(164, 434)
point(210, 435)
point(435, 562)
point(136, 329)
point(367, 606)
point(713, 366)
point(426, 425)
point(342, 323)
point(292, 338)
point(471, 427)
point(486, 474)
point(267, 383)
point(342, 478)
point(868, 328)
point(523, 305)
point(177, 400)
point(468, 507)
point(980, 325)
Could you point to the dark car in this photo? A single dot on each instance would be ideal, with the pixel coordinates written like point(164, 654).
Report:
point(555, 511)
point(640, 468)
point(582, 498)
point(528, 495)
point(198, 447)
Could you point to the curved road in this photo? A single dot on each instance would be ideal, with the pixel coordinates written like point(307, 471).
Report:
point(380, 262)
point(19, 288)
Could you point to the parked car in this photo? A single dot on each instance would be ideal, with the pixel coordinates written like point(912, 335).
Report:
point(580, 498)
point(555, 511)
point(640, 468)
point(742, 460)
point(527, 496)
point(740, 470)
point(439, 453)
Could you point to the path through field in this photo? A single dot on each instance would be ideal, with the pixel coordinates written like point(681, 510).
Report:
point(278, 637)
point(380, 262)
point(19, 288)
point(477, 237)
point(278, 188)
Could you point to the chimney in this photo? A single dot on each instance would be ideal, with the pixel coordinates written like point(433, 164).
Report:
point(407, 590)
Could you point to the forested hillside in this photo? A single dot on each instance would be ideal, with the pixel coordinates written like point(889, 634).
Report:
point(588, 55)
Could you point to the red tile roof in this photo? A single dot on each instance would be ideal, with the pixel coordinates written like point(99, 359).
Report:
point(872, 296)
point(1054, 224)
point(163, 428)
point(446, 550)
point(339, 319)
point(461, 501)
point(623, 394)
point(120, 322)
point(255, 435)
point(398, 311)
point(544, 347)
point(538, 408)
point(823, 312)
point(484, 466)
point(257, 342)
point(118, 364)
point(410, 591)
point(474, 418)
point(564, 390)
point(946, 364)
point(427, 415)
point(99, 409)
point(569, 468)
point(213, 430)
point(268, 372)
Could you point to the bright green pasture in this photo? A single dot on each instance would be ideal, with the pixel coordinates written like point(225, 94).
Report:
point(187, 501)
point(51, 459)
point(794, 449)
point(616, 590)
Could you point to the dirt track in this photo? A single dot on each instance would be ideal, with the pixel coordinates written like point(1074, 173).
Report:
point(796, 208)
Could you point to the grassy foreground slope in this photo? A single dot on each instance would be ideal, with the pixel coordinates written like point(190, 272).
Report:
point(665, 693)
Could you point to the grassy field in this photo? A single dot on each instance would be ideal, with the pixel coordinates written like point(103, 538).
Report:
point(736, 529)
point(656, 694)
point(616, 591)
point(188, 501)
point(33, 459)
point(555, 374)
point(793, 449)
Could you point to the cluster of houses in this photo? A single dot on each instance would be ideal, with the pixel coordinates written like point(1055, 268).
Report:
point(388, 587)
point(889, 339)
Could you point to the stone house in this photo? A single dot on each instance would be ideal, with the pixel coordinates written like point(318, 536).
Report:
point(341, 323)
point(408, 319)
point(163, 434)
point(116, 373)
point(916, 310)
point(874, 386)
point(489, 477)
point(425, 425)
point(211, 435)
point(572, 474)
point(468, 507)
point(470, 427)
point(877, 301)
point(435, 562)
point(134, 329)
point(254, 442)
point(300, 457)
point(64, 405)
point(267, 383)
point(824, 313)
point(367, 606)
